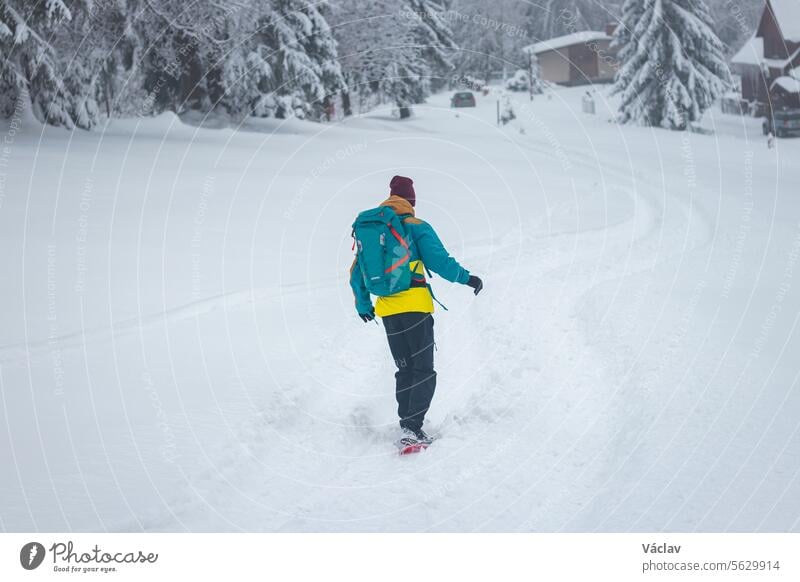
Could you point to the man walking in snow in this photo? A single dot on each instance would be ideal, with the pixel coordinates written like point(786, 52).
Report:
point(407, 314)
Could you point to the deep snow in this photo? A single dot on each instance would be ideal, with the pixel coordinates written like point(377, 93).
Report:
point(179, 350)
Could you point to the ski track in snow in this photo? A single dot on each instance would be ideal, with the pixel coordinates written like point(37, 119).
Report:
point(77, 340)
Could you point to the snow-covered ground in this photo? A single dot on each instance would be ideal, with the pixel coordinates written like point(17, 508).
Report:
point(179, 350)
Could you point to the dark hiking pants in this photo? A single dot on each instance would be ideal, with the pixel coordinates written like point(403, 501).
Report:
point(411, 342)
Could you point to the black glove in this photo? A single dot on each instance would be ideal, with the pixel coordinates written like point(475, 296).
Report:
point(475, 283)
point(367, 317)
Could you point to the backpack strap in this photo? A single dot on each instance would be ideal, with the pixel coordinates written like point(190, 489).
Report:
point(430, 289)
point(405, 258)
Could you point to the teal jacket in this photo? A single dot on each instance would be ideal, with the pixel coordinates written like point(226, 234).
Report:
point(427, 252)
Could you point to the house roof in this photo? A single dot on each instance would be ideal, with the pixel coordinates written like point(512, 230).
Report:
point(561, 42)
point(788, 84)
point(787, 13)
point(752, 53)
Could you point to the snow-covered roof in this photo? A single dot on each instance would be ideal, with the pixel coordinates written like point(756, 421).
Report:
point(752, 53)
point(787, 13)
point(781, 63)
point(788, 84)
point(560, 42)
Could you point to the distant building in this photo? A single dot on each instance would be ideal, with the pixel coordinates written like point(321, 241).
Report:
point(766, 62)
point(785, 92)
point(579, 58)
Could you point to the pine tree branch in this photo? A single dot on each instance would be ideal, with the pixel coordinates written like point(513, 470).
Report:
point(21, 21)
point(188, 30)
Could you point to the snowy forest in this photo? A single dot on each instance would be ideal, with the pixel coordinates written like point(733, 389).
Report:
point(77, 62)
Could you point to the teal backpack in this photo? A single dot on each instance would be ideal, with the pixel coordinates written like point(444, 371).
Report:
point(382, 251)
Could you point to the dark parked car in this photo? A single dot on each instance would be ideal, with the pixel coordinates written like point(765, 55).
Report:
point(463, 99)
point(783, 122)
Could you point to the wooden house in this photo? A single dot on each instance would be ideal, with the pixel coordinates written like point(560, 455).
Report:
point(769, 61)
point(579, 58)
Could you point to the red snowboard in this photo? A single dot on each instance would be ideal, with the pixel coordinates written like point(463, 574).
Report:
point(411, 449)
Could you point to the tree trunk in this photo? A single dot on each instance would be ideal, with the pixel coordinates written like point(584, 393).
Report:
point(346, 105)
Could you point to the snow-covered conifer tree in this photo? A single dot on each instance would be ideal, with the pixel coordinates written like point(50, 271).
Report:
point(393, 50)
point(29, 61)
point(672, 63)
point(485, 36)
point(304, 59)
point(546, 19)
point(431, 34)
point(536, 83)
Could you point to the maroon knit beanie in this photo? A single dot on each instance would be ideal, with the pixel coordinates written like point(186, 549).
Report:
point(403, 187)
